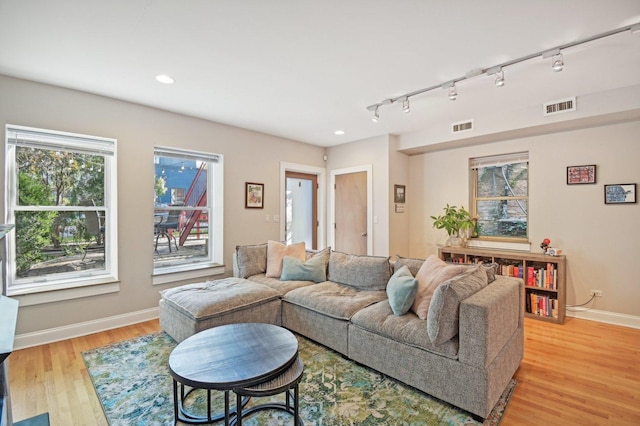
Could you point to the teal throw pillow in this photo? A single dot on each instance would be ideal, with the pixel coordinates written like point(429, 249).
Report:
point(314, 269)
point(401, 290)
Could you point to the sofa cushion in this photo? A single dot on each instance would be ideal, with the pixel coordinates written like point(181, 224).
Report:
point(360, 272)
point(314, 269)
point(332, 299)
point(276, 252)
point(432, 273)
point(407, 329)
point(443, 316)
point(250, 260)
point(215, 298)
point(281, 287)
point(401, 290)
point(414, 265)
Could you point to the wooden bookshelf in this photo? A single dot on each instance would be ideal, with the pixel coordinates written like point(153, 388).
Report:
point(543, 275)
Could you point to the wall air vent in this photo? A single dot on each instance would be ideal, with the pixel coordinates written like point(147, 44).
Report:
point(558, 107)
point(463, 126)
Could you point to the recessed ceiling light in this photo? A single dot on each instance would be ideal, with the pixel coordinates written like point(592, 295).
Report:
point(339, 132)
point(164, 79)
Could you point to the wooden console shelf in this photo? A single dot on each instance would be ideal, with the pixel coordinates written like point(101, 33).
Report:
point(544, 276)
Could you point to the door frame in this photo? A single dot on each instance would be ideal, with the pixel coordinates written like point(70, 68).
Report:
point(368, 168)
point(321, 173)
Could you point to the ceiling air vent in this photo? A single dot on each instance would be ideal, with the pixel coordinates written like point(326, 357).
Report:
point(558, 107)
point(463, 126)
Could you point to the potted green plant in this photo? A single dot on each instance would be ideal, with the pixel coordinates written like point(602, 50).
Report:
point(454, 220)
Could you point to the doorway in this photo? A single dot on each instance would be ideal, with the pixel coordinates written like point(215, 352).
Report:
point(301, 218)
point(351, 227)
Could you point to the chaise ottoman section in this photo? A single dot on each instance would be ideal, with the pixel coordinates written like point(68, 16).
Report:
point(191, 308)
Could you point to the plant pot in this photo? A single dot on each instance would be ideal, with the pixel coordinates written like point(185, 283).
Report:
point(455, 241)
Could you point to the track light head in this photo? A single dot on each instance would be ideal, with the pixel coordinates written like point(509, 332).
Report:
point(500, 78)
point(558, 63)
point(405, 105)
point(376, 115)
point(453, 92)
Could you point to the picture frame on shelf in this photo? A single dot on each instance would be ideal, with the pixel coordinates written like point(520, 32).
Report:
point(254, 195)
point(620, 193)
point(579, 175)
point(399, 194)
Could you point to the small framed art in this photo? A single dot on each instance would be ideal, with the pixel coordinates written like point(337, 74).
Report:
point(398, 194)
point(254, 195)
point(577, 175)
point(621, 193)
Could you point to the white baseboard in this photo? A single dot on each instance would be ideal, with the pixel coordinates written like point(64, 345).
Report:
point(606, 317)
point(50, 335)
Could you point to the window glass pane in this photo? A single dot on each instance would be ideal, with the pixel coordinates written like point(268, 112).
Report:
point(508, 180)
point(502, 218)
point(58, 178)
point(182, 211)
point(56, 242)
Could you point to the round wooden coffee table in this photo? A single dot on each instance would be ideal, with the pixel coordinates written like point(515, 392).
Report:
point(233, 356)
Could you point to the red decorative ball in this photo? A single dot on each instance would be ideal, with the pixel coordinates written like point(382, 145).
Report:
point(546, 241)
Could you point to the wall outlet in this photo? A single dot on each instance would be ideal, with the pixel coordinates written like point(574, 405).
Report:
point(596, 293)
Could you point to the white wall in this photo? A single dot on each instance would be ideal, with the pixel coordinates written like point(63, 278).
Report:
point(601, 242)
point(248, 156)
point(399, 222)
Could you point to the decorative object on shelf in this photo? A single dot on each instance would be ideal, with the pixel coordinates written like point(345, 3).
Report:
point(544, 245)
point(254, 195)
point(399, 194)
point(621, 193)
point(455, 220)
point(577, 175)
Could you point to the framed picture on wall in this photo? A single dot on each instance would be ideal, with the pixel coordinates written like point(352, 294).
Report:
point(577, 175)
point(398, 194)
point(254, 195)
point(621, 193)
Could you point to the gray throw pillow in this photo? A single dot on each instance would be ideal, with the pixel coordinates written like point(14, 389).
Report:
point(251, 260)
point(313, 269)
point(443, 315)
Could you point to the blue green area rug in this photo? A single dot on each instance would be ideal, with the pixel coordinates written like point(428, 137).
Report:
point(133, 384)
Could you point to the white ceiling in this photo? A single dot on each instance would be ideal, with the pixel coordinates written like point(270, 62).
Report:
point(301, 69)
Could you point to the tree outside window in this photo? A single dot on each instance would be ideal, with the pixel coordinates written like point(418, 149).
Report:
point(57, 200)
point(500, 195)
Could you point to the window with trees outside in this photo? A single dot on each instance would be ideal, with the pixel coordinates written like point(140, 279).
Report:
point(187, 216)
point(61, 196)
point(500, 196)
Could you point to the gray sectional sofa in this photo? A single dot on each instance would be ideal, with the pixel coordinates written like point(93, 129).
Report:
point(467, 358)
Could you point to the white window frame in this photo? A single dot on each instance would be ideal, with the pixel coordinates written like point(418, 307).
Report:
point(62, 286)
point(497, 160)
point(214, 263)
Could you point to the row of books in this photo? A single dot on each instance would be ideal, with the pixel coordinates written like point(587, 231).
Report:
point(543, 277)
point(542, 305)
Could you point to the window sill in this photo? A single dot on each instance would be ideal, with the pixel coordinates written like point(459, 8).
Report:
point(49, 294)
point(171, 275)
point(500, 245)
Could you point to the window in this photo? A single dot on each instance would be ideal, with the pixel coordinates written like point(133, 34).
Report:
point(61, 195)
point(500, 195)
point(188, 210)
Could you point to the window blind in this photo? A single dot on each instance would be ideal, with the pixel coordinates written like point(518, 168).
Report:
point(59, 141)
point(498, 160)
point(186, 155)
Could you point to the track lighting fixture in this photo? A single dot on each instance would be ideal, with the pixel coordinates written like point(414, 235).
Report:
point(557, 65)
point(376, 113)
point(499, 78)
point(405, 105)
point(453, 92)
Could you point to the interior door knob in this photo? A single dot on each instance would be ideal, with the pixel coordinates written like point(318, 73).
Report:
point(364, 234)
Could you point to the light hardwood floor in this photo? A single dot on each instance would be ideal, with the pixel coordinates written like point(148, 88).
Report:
point(579, 373)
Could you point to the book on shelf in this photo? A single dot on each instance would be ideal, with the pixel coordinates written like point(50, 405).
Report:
point(543, 277)
point(542, 305)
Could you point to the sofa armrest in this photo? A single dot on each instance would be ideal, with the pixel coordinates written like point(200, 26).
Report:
point(489, 318)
